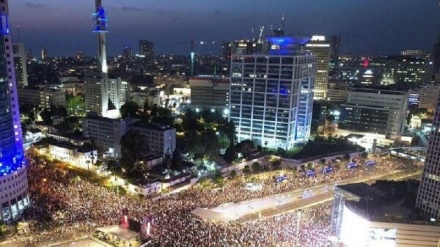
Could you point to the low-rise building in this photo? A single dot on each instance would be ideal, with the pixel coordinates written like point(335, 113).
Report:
point(375, 111)
point(43, 98)
point(105, 133)
point(79, 156)
point(161, 140)
point(209, 92)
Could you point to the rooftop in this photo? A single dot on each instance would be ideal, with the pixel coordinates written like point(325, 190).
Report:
point(386, 201)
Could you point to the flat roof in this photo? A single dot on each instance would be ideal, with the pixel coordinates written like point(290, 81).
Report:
point(362, 190)
point(386, 201)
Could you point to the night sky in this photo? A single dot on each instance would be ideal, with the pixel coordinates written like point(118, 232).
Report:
point(370, 27)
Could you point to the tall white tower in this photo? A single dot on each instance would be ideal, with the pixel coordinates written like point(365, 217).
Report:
point(101, 29)
point(103, 95)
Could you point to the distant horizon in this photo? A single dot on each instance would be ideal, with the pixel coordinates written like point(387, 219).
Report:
point(366, 27)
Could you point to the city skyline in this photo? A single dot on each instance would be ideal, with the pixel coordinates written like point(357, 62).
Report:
point(367, 27)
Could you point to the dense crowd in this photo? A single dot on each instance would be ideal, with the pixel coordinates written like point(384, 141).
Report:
point(65, 207)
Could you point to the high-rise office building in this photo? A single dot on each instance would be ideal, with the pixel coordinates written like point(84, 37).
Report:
point(19, 54)
point(436, 57)
point(335, 46)
point(127, 52)
point(146, 48)
point(320, 47)
point(13, 179)
point(105, 97)
point(428, 199)
point(411, 69)
point(271, 95)
point(44, 54)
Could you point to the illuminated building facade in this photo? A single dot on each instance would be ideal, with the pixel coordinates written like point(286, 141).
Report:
point(43, 98)
point(13, 179)
point(209, 92)
point(271, 95)
point(105, 96)
point(146, 48)
point(375, 111)
point(411, 69)
point(320, 47)
point(19, 53)
point(428, 198)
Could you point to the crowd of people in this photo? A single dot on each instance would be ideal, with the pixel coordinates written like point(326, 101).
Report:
point(65, 207)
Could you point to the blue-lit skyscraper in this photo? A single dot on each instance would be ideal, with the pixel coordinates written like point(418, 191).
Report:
point(13, 176)
point(271, 93)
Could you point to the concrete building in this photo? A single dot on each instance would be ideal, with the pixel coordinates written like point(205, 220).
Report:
point(146, 48)
point(139, 97)
point(105, 133)
point(337, 93)
point(14, 197)
point(71, 85)
point(271, 95)
point(105, 96)
point(411, 69)
point(43, 98)
point(428, 199)
point(375, 111)
point(154, 97)
point(161, 140)
point(209, 92)
point(428, 96)
point(320, 47)
point(44, 54)
point(364, 215)
point(19, 54)
point(83, 157)
point(419, 53)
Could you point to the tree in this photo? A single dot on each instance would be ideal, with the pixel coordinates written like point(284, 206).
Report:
point(228, 129)
point(133, 149)
point(177, 162)
point(246, 169)
point(256, 167)
point(276, 164)
point(210, 144)
point(364, 155)
point(218, 177)
point(3, 229)
point(233, 174)
point(245, 147)
point(62, 111)
point(310, 166)
point(230, 154)
point(75, 106)
point(46, 115)
point(129, 109)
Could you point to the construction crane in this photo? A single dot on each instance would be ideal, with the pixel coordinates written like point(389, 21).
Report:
point(260, 36)
point(192, 51)
point(280, 30)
